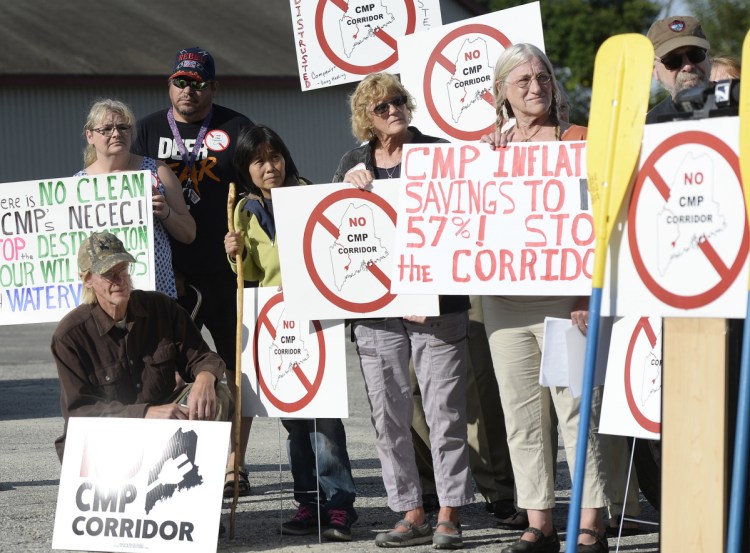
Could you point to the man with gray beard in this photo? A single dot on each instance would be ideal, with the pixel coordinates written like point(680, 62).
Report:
point(681, 61)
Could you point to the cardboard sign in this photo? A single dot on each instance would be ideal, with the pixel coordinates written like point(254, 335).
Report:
point(449, 69)
point(631, 405)
point(515, 220)
point(141, 484)
point(681, 247)
point(42, 225)
point(340, 41)
point(347, 240)
point(291, 367)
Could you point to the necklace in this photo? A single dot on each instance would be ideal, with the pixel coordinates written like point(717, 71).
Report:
point(532, 135)
point(394, 171)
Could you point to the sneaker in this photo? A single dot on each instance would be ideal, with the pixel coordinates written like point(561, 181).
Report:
point(339, 525)
point(303, 523)
point(414, 535)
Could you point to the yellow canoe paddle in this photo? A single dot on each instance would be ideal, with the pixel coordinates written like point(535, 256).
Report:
point(619, 102)
point(742, 431)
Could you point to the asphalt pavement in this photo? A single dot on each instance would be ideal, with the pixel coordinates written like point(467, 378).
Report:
point(29, 469)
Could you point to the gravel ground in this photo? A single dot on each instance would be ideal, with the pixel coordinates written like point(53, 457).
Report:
point(29, 470)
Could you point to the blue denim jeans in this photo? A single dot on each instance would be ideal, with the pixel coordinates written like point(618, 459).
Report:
point(334, 470)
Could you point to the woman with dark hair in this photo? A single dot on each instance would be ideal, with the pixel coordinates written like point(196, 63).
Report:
point(263, 162)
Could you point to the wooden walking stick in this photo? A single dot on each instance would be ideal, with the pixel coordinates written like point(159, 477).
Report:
point(619, 101)
point(238, 369)
point(742, 431)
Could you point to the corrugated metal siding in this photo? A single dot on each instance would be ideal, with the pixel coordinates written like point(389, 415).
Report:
point(43, 133)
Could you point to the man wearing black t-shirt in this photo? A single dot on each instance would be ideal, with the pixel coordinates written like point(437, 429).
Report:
point(196, 138)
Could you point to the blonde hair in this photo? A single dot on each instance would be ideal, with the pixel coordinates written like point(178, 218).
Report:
point(729, 64)
point(98, 111)
point(376, 87)
point(507, 62)
point(87, 294)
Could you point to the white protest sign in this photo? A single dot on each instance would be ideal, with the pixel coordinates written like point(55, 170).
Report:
point(515, 220)
point(42, 225)
point(631, 405)
point(342, 41)
point(292, 368)
point(449, 70)
point(141, 484)
point(347, 240)
point(680, 249)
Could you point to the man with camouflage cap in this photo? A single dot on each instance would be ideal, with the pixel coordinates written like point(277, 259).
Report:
point(118, 351)
point(681, 62)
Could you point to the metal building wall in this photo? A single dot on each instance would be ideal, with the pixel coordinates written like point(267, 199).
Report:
point(43, 125)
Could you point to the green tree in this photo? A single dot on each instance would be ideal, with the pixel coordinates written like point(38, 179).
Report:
point(725, 23)
point(573, 32)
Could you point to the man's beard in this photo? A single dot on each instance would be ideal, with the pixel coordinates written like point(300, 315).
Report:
point(685, 81)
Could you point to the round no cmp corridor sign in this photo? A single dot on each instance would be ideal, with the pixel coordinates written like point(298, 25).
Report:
point(687, 226)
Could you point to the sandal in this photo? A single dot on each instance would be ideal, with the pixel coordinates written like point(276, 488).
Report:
point(613, 528)
point(599, 546)
point(243, 484)
point(414, 535)
point(441, 540)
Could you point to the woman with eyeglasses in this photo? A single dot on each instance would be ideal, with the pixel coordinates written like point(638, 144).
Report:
point(381, 110)
point(527, 103)
point(109, 130)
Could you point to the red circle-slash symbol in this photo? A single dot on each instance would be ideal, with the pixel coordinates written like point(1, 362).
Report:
point(311, 388)
point(386, 38)
point(318, 218)
point(642, 326)
point(727, 273)
point(437, 57)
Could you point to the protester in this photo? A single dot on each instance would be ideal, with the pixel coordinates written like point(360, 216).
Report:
point(526, 94)
point(118, 351)
point(197, 139)
point(681, 62)
point(725, 67)
point(263, 162)
point(109, 134)
point(381, 110)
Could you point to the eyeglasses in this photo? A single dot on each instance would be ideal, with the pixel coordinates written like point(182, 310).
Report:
point(674, 61)
point(542, 79)
point(109, 130)
point(195, 85)
point(396, 102)
point(116, 276)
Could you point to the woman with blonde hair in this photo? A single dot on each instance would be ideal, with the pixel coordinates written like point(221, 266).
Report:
point(109, 133)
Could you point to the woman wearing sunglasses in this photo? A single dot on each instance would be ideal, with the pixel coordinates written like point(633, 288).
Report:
point(527, 104)
point(109, 132)
point(381, 111)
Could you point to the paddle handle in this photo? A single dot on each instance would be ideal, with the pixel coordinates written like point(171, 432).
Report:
point(584, 418)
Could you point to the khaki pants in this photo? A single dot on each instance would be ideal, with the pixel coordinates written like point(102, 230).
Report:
point(515, 327)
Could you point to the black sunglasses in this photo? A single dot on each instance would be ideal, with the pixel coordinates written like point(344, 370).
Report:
point(396, 102)
point(674, 61)
point(195, 85)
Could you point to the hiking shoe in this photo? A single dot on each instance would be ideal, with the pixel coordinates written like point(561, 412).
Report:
point(339, 525)
point(303, 523)
point(414, 535)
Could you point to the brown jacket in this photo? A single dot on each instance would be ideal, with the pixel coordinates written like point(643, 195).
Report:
point(106, 371)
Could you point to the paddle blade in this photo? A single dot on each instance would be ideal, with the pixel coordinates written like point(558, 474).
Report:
point(619, 102)
point(745, 131)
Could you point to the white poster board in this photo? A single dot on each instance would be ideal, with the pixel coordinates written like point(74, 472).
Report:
point(141, 484)
point(42, 225)
point(631, 405)
point(292, 367)
point(336, 246)
point(343, 41)
point(516, 220)
point(680, 248)
point(449, 69)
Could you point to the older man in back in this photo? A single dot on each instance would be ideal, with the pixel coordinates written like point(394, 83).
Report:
point(682, 62)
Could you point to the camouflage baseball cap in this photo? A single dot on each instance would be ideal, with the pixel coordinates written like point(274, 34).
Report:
point(674, 32)
point(100, 252)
